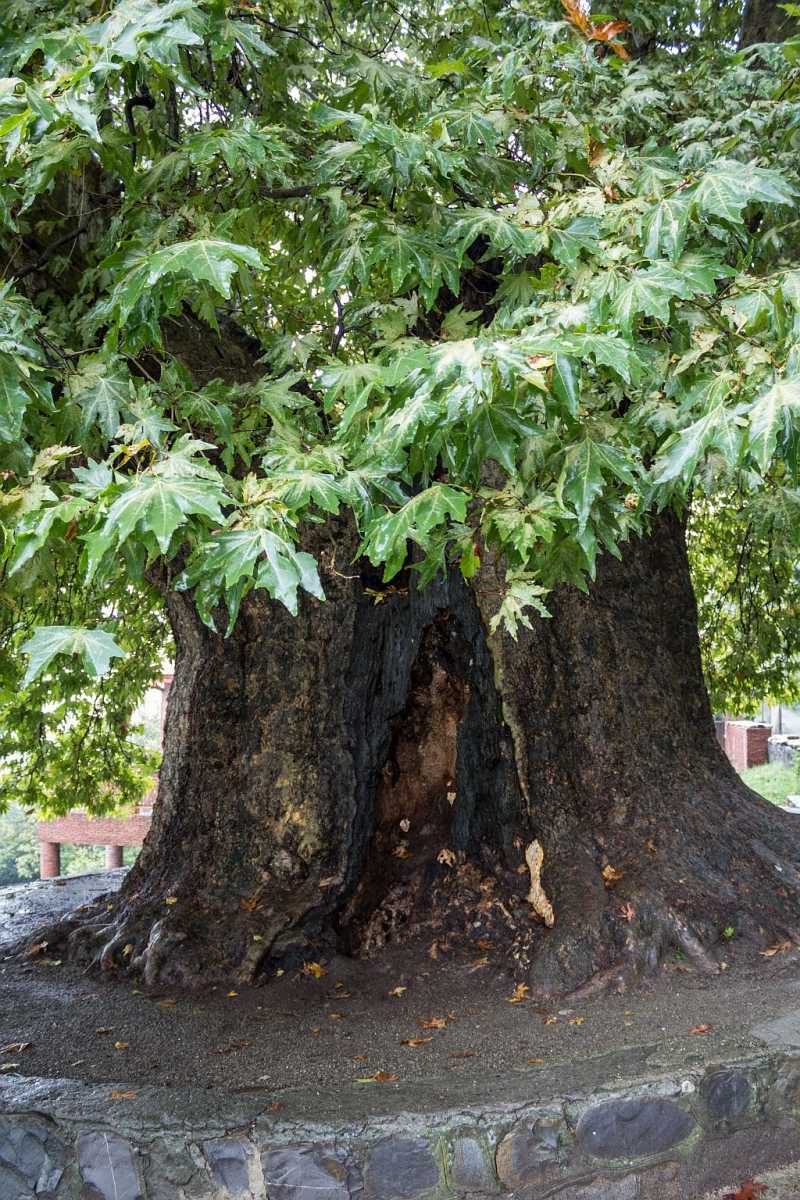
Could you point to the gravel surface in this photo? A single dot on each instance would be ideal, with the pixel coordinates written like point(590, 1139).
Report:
point(357, 1018)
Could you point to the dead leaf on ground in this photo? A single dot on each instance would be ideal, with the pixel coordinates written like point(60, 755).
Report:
point(8, 1066)
point(701, 1029)
point(398, 991)
point(519, 995)
point(104, 1029)
point(359, 1058)
point(627, 912)
point(535, 1062)
point(433, 1023)
point(749, 1190)
point(483, 961)
point(123, 1095)
point(577, 1020)
point(401, 851)
point(127, 950)
point(230, 994)
point(316, 1032)
point(551, 1020)
point(250, 903)
point(36, 948)
point(170, 899)
point(379, 1077)
point(16, 1047)
point(777, 948)
point(611, 875)
point(336, 1016)
point(415, 1041)
point(447, 857)
point(314, 969)
point(121, 1045)
point(649, 847)
point(167, 1003)
point(463, 1054)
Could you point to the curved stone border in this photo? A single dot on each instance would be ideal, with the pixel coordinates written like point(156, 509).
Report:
point(654, 1136)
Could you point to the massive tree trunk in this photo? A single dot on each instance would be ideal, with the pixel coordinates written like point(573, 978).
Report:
point(316, 767)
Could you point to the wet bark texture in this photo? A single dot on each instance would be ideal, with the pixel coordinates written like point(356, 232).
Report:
point(316, 767)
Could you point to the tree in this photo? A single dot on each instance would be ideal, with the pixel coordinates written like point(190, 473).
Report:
point(444, 315)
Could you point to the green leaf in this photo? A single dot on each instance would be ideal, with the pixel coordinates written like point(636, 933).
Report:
point(13, 400)
point(386, 538)
point(767, 418)
point(102, 388)
point(95, 647)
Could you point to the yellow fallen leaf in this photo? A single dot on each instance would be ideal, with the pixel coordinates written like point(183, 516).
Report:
point(8, 1066)
point(433, 1023)
point(168, 1003)
point(701, 1029)
point(535, 1062)
point(551, 1020)
point(611, 875)
point(170, 899)
point(124, 1095)
point(379, 1077)
point(336, 1016)
point(127, 950)
point(401, 851)
point(577, 1020)
point(233, 993)
point(314, 968)
point(316, 1032)
point(121, 1045)
point(415, 1041)
point(447, 857)
point(398, 991)
point(519, 994)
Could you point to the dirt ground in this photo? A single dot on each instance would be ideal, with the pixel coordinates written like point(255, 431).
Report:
point(404, 1014)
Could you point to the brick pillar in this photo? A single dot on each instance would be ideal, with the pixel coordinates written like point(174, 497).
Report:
point(113, 857)
point(49, 859)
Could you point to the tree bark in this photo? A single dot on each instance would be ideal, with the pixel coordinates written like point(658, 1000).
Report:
point(765, 21)
point(316, 767)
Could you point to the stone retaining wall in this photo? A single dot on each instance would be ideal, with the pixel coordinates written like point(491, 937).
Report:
point(667, 1137)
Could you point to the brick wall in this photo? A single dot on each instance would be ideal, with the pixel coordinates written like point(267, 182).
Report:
point(747, 743)
point(77, 829)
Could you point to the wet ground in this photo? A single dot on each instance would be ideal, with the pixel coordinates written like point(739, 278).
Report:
point(449, 1022)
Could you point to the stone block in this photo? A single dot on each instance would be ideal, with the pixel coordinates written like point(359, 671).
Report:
point(470, 1170)
point(31, 1152)
point(531, 1153)
point(310, 1173)
point(233, 1165)
point(727, 1094)
point(633, 1128)
point(107, 1164)
point(401, 1168)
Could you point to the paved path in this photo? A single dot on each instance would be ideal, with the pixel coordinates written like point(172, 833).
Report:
point(26, 905)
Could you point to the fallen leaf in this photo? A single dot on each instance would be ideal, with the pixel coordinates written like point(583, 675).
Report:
point(121, 1045)
point(535, 1062)
point(230, 994)
point(433, 1023)
point(314, 968)
point(316, 1032)
point(36, 948)
point(401, 851)
point(446, 856)
point(336, 1016)
point(415, 1041)
point(649, 847)
point(433, 951)
point(398, 991)
point(777, 948)
point(701, 1029)
point(127, 950)
point(8, 1066)
point(251, 903)
point(170, 899)
point(519, 994)
point(484, 943)
point(168, 1003)
point(405, 824)
point(276, 1107)
point(123, 1095)
point(749, 1190)
point(627, 912)
point(359, 1058)
point(105, 1029)
point(577, 1020)
point(379, 1077)
point(551, 1020)
point(16, 1047)
point(478, 963)
point(611, 875)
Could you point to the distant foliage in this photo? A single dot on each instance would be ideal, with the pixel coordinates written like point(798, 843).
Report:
point(507, 277)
